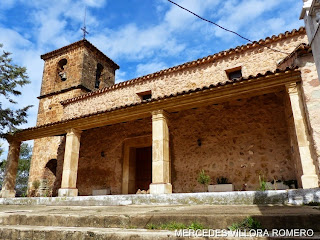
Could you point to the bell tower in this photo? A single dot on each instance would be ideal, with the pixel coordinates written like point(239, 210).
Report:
point(68, 72)
point(71, 71)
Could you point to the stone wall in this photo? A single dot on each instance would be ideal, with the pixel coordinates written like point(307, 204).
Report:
point(101, 171)
point(90, 62)
point(44, 150)
point(50, 110)
point(80, 69)
point(51, 82)
point(240, 140)
point(253, 61)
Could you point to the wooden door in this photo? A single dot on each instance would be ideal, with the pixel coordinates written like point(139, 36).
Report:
point(143, 168)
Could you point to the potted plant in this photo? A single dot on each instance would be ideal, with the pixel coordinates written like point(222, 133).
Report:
point(203, 179)
point(222, 185)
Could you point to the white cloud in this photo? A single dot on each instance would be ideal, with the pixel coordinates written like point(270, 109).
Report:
point(120, 76)
point(6, 4)
point(95, 3)
point(179, 19)
point(133, 43)
point(13, 40)
point(256, 19)
point(143, 69)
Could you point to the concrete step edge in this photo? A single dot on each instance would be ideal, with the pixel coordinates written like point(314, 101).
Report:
point(52, 233)
point(141, 221)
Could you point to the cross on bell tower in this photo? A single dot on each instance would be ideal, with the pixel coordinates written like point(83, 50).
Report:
point(84, 28)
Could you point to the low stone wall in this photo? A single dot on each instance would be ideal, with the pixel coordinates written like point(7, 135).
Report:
point(294, 197)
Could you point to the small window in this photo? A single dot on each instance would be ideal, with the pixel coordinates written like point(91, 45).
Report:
point(145, 95)
point(98, 75)
point(62, 69)
point(234, 73)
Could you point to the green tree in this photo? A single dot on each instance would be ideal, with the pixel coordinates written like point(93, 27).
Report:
point(1, 149)
point(11, 77)
point(23, 169)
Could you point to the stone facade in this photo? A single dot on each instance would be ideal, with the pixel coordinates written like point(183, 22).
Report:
point(273, 134)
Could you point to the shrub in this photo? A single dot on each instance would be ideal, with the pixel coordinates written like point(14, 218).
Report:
point(263, 184)
point(247, 224)
point(203, 178)
point(36, 184)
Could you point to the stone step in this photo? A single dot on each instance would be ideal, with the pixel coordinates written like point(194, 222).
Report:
point(213, 222)
point(87, 233)
point(73, 233)
point(213, 217)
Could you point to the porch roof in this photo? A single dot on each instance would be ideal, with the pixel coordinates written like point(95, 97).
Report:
point(232, 89)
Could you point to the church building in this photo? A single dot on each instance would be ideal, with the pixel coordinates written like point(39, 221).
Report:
point(243, 114)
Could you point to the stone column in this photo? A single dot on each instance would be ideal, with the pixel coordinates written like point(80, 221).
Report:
point(161, 168)
point(11, 170)
point(309, 178)
point(70, 164)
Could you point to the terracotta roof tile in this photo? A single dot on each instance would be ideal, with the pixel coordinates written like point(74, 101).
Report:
point(190, 91)
point(204, 60)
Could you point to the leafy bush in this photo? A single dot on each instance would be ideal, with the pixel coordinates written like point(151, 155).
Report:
point(203, 178)
point(174, 226)
point(263, 184)
point(36, 184)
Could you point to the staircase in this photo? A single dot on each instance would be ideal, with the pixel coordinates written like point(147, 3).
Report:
point(131, 222)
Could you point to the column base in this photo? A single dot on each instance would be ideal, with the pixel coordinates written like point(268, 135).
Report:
point(160, 188)
point(309, 181)
point(8, 193)
point(68, 192)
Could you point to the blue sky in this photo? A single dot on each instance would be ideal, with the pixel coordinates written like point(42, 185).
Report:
point(142, 36)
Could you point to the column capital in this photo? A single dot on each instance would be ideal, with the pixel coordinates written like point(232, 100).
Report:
point(12, 140)
point(159, 114)
point(73, 131)
point(292, 88)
